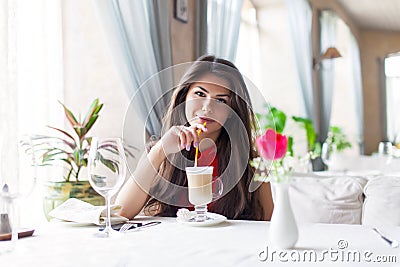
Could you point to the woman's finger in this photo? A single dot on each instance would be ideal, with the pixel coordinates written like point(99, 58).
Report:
point(182, 137)
point(189, 138)
point(194, 136)
point(201, 127)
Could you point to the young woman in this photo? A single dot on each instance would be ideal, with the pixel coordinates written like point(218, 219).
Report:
point(211, 110)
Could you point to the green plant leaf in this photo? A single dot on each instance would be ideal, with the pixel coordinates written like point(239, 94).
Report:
point(90, 111)
point(110, 148)
point(290, 146)
point(91, 122)
point(51, 156)
point(77, 156)
point(70, 116)
point(84, 162)
point(128, 150)
point(113, 166)
point(53, 150)
point(79, 131)
point(98, 108)
point(338, 137)
point(42, 141)
point(311, 135)
point(94, 109)
point(274, 119)
point(63, 132)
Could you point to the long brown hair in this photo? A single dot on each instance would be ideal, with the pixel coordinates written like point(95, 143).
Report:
point(238, 203)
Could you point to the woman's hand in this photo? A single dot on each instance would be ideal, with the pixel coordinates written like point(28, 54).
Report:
point(181, 137)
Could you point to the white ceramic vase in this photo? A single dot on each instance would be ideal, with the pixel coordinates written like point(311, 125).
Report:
point(283, 232)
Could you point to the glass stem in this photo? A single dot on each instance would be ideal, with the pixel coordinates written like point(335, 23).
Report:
point(108, 220)
point(201, 213)
point(14, 223)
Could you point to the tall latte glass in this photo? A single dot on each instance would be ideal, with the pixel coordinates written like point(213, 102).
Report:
point(200, 186)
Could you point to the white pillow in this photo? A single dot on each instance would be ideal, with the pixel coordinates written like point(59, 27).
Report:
point(382, 202)
point(317, 199)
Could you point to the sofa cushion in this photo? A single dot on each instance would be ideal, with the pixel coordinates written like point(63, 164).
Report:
point(382, 202)
point(317, 199)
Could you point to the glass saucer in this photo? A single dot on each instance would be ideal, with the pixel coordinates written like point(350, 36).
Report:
point(212, 219)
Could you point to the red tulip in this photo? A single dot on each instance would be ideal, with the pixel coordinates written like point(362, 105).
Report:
point(272, 145)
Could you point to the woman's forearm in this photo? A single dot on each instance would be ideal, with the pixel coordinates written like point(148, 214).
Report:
point(134, 194)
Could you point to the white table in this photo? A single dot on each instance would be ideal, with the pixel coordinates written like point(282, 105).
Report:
point(232, 243)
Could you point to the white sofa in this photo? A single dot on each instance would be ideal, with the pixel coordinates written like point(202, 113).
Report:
point(346, 199)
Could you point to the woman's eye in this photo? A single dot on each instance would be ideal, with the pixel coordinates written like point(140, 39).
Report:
point(221, 100)
point(200, 93)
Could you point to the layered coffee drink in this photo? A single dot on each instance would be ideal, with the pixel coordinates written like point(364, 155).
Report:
point(200, 185)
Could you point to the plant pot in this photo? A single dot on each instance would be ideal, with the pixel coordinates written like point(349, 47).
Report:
point(317, 164)
point(57, 193)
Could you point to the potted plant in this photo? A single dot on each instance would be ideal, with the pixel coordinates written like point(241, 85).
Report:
point(336, 137)
point(71, 150)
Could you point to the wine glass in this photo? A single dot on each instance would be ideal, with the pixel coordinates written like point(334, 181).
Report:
point(107, 169)
point(328, 153)
point(385, 151)
point(18, 172)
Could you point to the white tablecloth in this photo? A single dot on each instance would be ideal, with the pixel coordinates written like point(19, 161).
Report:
point(232, 243)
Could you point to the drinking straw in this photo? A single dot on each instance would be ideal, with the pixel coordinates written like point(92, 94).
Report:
point(197, 148)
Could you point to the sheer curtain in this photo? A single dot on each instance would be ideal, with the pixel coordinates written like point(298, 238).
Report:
point(248, 49)
point(392, 99)
point(392, 77)
point(201, 28)
point(354, 53)
point(138, 34)
point(328, 20)
point(223, 20)
point(31, 67)
point(300, 18)
point(31, 81)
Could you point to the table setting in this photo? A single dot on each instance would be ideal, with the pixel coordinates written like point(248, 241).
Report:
point(192, 238)
point(170, 243)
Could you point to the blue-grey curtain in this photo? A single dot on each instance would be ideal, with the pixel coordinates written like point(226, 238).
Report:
point(383, 99)
point(354, 53)
point(300, 19)
point(201, 28)
point(138, 34)
point(328, 22)
point(223, 24)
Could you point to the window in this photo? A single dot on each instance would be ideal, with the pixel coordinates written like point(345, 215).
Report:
point(265, 56)
point(392, 73)
point(30, 77)
point(344, 100)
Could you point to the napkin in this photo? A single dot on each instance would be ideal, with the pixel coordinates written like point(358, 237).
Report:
point(185, 215)
point(75, 210)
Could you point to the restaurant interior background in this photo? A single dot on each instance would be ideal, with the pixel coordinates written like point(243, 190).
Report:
point(57, 50)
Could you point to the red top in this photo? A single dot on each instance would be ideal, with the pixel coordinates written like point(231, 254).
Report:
point(209, 158)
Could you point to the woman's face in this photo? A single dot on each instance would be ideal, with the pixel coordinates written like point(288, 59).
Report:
point(209, 102)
